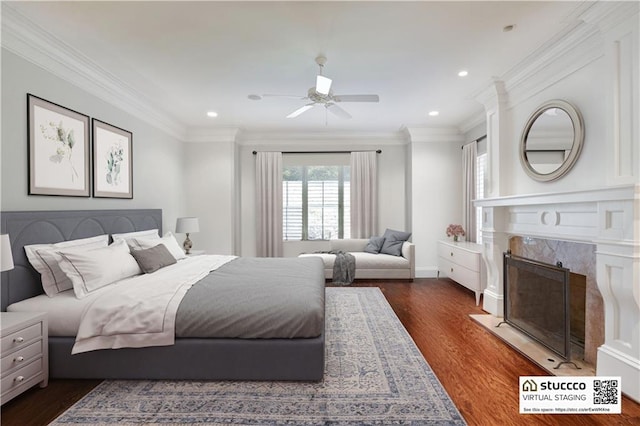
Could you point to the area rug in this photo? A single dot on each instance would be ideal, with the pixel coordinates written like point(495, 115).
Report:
point(374, 375)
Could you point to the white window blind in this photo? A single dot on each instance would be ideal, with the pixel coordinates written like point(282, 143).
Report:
point(316, 200)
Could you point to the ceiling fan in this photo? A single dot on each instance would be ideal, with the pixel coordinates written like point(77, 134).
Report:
point(322, 95)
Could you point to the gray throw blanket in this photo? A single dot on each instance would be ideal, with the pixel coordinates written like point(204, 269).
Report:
point(344, 268)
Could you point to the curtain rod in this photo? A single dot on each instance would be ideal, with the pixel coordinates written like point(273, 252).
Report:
point(378, 151)
point(476, 141)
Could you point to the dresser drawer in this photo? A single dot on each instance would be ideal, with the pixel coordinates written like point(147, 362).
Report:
point(462, 257)
point(23, 376)
point(21, 338)
point(21, 357)
point(466, 277)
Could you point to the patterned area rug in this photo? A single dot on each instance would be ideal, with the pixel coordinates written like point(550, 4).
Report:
point(374, 374)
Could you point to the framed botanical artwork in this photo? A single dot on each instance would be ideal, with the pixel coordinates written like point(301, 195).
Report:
point(112, 161)
point(58, 144)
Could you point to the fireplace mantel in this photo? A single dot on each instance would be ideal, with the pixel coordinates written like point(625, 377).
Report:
point(606, 217)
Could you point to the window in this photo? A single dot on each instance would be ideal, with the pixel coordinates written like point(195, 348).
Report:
point(316, 202)
point(481, 167)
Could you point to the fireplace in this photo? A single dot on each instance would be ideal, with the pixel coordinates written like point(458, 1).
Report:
point(604, 222)
point(545, 302)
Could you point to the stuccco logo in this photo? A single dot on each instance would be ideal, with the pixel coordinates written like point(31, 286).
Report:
point(568, 386)
point(532, 386)
point(529, 386)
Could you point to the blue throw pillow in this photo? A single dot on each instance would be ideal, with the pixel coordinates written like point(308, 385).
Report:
point(374, 245)
point(393, 241)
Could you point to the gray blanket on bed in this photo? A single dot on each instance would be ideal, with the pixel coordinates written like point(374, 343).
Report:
point(256, 298)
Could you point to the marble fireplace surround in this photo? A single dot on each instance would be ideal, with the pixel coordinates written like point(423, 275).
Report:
point(579, 258)
point(607, 218)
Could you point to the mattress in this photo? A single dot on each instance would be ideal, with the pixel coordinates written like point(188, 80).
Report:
point(64, 311)
point(245, 298)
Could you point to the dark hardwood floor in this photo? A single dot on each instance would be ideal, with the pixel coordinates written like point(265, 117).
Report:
point(478, 370)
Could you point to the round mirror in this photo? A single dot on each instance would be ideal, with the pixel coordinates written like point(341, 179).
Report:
point(551, 140)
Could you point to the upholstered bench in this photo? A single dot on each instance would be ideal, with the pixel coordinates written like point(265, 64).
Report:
point(370, 265)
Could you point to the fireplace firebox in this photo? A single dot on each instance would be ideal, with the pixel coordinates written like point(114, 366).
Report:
point(537, 302)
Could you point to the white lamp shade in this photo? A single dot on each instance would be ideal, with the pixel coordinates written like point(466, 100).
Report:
point(187, 225)
point(5, 253)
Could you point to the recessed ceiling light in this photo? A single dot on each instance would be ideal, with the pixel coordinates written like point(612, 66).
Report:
point(463, 73)
point(434, 113)
point(212, 114)
point(254, 97)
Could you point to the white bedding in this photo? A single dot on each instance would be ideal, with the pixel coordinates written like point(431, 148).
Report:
point(135, 312)
point(64, 310)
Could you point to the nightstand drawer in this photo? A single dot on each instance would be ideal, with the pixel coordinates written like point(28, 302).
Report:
point(23, 376)
point(21, 357)
point(21, 338)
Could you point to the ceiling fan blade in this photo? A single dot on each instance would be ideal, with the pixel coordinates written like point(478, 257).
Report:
point(323, 84)
point(300, 110)
point(335, 109)
point(356, 98)
point(269, 95)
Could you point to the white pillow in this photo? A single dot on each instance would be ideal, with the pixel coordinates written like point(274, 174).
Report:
point(151, 233)
point(45, 258)
point(94, 269)
point(168, 240)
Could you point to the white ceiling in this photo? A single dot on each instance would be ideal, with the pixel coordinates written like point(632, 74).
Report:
point(186, 58)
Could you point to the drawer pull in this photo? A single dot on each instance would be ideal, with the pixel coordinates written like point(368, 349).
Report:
point(19, 359)
point(18, 340)
point(19, 379)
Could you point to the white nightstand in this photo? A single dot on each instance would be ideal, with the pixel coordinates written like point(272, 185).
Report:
point(25, 352)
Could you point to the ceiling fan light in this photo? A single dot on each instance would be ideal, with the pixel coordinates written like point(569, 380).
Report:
point(323, 84)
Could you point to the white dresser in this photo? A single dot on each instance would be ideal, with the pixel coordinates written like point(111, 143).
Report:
point(462, 262)
point(25, 352)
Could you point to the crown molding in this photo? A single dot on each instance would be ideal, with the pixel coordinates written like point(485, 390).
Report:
point(266, 136)
point(566, 53)
point(435, 134)
point(492, 94)
point(212, 134)
point(608, 15)
point(26, 39)
point(580, 44)
point(473, 121)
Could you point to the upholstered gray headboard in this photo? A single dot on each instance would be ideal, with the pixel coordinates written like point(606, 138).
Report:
point(34, 227)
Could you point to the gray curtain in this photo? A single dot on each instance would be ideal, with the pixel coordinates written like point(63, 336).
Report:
point(469, 154)
point(269, 203)
point(364, 194)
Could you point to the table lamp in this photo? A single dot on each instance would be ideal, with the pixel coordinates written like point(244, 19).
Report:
point(187, 225)
point(6, 257)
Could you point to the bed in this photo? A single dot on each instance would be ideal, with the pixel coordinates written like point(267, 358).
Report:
point(193, 358)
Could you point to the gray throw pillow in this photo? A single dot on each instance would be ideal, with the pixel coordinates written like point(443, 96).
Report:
point(393, 241)
point(374, 245)
point(154, 258)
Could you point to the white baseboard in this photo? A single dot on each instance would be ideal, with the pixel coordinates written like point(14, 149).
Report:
point(428, 272)
point(612, 362)
point(493, 303)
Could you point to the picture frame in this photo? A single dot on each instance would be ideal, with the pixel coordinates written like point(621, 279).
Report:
point(112, 161)
point(58, 149)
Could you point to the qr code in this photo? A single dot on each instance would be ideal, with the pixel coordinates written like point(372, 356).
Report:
point(605, 391)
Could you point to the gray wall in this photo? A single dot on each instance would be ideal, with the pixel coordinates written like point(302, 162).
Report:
point(158, 178)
